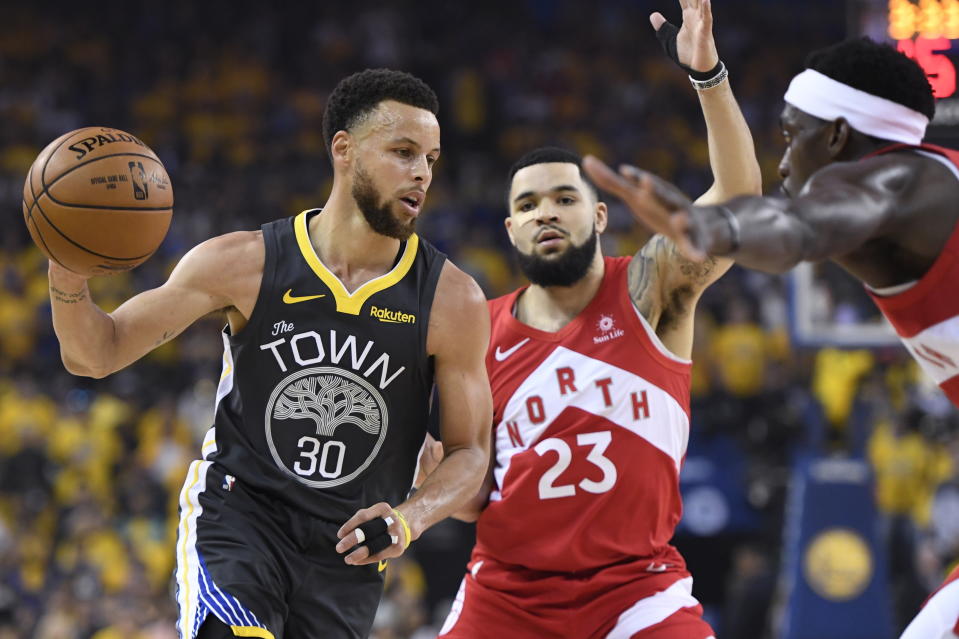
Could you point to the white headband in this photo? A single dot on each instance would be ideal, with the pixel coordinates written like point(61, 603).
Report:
point(828, 99)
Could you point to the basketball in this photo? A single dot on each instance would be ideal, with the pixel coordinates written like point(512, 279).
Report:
point(97, 201)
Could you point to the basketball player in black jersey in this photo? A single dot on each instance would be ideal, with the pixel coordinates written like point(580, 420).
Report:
point(339, 322)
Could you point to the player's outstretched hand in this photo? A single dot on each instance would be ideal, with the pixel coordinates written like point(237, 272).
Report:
point(695, 46)
point(373, 534)
point(653, 201)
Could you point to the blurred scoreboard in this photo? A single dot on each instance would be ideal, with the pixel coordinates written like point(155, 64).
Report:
point(928, 32)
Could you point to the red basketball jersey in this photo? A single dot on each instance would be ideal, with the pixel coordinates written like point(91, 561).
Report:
point(926, 316)
point(939, 617)
point(591, 425)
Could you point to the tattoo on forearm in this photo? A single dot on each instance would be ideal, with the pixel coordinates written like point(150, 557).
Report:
point(661, 307)
point(694, 272)
point(67, 298)
point(166, 337)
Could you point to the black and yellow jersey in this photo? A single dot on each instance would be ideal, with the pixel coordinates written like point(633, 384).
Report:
point(325, 395)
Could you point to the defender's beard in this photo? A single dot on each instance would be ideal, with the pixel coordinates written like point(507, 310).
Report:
point(378, 215)
point(563, 270)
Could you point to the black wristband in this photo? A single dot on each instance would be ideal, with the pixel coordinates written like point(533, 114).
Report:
point(667, 38)
point(734, 231)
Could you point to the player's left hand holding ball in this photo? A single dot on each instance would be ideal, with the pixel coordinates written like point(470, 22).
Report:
point(97, 201)
point(374, 534)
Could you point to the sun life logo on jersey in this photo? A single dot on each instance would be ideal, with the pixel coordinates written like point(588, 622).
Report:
point(608, 330)
point(325, 425)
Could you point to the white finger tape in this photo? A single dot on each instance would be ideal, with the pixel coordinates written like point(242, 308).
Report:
point(389, 520)
point(360, 535)
point(395, 539)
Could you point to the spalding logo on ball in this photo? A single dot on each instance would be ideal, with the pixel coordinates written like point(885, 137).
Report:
point(97, 201)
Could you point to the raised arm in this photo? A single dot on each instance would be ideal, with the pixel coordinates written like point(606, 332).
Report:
point(732, 154)
point(663, 283)
point(219, 273)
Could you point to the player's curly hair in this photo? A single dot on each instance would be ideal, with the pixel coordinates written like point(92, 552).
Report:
point(546, 155)
point(357, 95)
point(877, 69)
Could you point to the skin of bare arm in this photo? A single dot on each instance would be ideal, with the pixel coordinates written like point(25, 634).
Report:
point(458, 339)
point(473, 508)
point(841, 207)
point(431, 456)
point(221, 273)
point(663, 283)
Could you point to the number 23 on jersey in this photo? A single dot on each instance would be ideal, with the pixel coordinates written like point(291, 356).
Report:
point(597, 444)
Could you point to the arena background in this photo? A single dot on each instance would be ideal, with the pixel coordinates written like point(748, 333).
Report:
point(821, 485)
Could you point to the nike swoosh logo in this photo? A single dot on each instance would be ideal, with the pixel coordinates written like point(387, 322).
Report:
point(288, 298)
point(381, 566)
point(654, 567)
point(501, 355)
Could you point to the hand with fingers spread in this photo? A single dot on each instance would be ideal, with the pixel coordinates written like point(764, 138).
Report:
point(374, 534)
point(653, 201)
point(692, 45)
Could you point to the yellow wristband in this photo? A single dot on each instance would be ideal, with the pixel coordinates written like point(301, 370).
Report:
point(406, 528)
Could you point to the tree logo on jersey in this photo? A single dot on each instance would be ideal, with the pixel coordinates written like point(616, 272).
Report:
point(325, 425)
point(330, 401)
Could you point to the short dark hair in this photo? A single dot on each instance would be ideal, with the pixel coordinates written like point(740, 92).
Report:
point(877, 69)
point(357, 95)
point(547, 155)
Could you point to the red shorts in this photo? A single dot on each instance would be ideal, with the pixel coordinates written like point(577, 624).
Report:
point(615, 603)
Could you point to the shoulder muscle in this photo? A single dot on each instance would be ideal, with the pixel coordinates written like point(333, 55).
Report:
point(227, 268)
point(459, 318)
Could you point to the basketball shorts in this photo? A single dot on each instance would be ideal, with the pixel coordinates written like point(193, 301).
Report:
point(614, 603)
point(262, 568)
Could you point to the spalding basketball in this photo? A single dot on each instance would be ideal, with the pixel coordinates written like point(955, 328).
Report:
point(97, 201)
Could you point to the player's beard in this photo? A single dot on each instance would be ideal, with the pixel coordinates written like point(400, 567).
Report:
point(379, 215)
point(562, 270)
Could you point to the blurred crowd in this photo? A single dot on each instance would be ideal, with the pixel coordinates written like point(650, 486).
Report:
point(231, 97)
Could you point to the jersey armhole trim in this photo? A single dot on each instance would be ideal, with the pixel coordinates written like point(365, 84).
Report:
point(652, 343)
point(262, 295)
point(346, 302)
point(654, 338)
point(941, 159)
point(426, 305)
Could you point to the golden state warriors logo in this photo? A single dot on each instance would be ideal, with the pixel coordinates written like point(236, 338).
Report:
point(838, 564)
point(325, 425)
